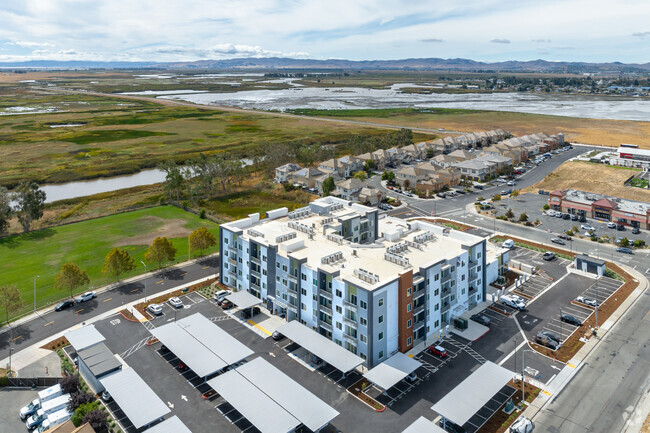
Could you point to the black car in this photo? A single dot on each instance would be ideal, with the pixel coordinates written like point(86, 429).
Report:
point(460, 191)
point(565, 237)
point(477, 186)
point(63, 305)
point(570, 319)
point(636, 231)
point(551, 335)
point(620, 227)
point(481, 318)
point(566, 216)
point(547, 342)
point(624, 250)
point(277, 336)
point(441, 195)
point(582, 219)
point(246, 314)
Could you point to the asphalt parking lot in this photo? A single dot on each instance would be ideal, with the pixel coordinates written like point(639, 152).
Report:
point(11, 401)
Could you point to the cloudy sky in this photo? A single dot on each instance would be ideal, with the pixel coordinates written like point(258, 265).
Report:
point(182, 30)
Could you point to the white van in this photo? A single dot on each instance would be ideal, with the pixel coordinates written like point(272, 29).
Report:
point(508, 243)
point(43, 396)
point(48, 408)
point(55, 419)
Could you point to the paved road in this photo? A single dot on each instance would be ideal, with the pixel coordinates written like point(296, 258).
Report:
point(604, 393)
point(52, 322)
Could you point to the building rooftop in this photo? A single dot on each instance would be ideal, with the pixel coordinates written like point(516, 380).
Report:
point(401, 245)
point(589, 198)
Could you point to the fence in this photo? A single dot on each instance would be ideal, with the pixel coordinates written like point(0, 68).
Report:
point(31, 382)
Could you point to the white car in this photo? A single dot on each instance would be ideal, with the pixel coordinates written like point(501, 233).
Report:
point(86, 297)
point(586, 301)
point(611, 225)
point(221, 295)
point(587, 227)
point(175, 302)
point(155, 309)
point(550, 213)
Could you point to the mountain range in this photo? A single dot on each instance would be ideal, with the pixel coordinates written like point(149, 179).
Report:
point(423, 64)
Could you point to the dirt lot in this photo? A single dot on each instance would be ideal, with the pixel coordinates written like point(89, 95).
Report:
point(596, 178)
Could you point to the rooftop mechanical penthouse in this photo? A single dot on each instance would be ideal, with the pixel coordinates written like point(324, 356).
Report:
point(374, 285)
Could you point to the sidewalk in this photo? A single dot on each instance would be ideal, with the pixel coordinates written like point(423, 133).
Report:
point(27, 356)
point(49, 308)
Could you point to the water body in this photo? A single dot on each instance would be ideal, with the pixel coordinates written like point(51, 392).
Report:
point(595, 107)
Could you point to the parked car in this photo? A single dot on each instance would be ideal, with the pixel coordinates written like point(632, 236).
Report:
point(106, 396)
point(226, 304)
point(175, 302)
point(636, 231)
point(587, 227)
point(568, 318)
point(155, 309)
point(551, 335)
point(559, 214)
point(548, 256)
point(558, 241)
point(277, 336)
point(565, 237)
point(624, 250)
point(582, 219)
point(566, 216)
point(574, 217)
point(382, 206)
point(511, 183)
point(441, 195)
point(481, 318)
point(545, 341)
point(246, 314)
point(620, 227)
point(438, 351)
point(221, 295)
point(611, 225)
point(510, 301)
point(411, 377)
point(586, 301)
point(460, 191)
point(508, 243)
point(550, 213)
point(64, 304)
point(478, 186)
point(86, 297)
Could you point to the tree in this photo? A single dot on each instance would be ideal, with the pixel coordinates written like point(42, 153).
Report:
point(96, 418)
point(70, 277)
point(510, 214)
point(625, 242)
point(173, 179)
point(10, 300)
point(81, 411)
point(201, 239)
point(79, 398)
point(6, 212)
point(496, 198)
point(70, 383)
point(523, 217)
point(30, 203)
point(361, 175)
point(388, 175)
point(369, 165)
point(328, 186)
point(430, 153)
point(159, 251)
point(547, 206)
point(514, 193)
point(117, 262)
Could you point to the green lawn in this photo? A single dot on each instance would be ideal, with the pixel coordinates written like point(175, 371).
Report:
point(86, 243)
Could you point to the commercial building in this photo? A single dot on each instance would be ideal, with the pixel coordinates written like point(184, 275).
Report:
point(375, 286)
point(618, 210)
point(629, 155)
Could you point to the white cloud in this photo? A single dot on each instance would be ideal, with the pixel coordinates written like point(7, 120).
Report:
point(500, 41)
point(27, 44)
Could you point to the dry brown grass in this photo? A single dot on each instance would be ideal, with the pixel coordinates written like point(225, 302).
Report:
point(596, 178)
point(11, 77)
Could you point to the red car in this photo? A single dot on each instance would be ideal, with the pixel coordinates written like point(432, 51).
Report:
point(438, 351)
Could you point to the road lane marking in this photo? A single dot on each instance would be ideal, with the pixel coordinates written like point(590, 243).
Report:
point(79, 311)
point(20, 336)
point(161, 281)
point(183, 274)
point(205, 267)
point(49, 323)
point(134, 290)
point(259, 327)
point(106, 300)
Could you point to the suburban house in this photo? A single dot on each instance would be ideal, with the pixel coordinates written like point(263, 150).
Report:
point(461, 155)
point(349, 188)
point(501, 162)
point(318, 181)
point(475, 169)
point(331, 166)
point(306, 177)
point(443, 160)
point(407, 176)
point(348, 165)
point(370, 196)
point(284, 172)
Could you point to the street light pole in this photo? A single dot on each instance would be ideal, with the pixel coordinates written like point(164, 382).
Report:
point(35, 292)
point(11, 349)
point(523, 382)
point(145, 280)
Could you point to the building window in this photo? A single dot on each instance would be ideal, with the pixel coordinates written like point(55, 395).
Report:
point(453, 268)
point(380, 337)
point(381, 354)
point(277, 265)
point(363, 356)
point(408, 341)
point(304, 277)
point(462, 292)
point(478, 256)
point(437, 277)
point(363, 304)
point(303, 306)
point(338, 325)
point(462, 278)
point(381, 302)
point(284, 268)
point(437, 324)
point(436, 307)
point(436, 292)
point(225, 240)
point(381, 319)
point(339, 293)
point(263, 271)
point(363, 338)
point(277, 278)
point(363, 321)
point(338, 309)
point(408, 307)
point(263, 258)
point(408, 292)
point(408, 324)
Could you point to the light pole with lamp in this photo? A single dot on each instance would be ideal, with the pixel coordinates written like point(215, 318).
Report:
point(35, 292)
point(145, 280)
point(523, 382)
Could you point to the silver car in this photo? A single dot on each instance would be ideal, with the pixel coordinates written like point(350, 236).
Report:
point(86, 297)
point(175, 302)
point(587, 301)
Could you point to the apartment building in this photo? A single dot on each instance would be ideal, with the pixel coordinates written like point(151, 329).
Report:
point(373, 285)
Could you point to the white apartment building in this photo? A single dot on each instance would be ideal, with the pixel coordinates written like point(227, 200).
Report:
point(373, 285)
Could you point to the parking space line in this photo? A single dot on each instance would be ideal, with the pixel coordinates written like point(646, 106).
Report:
point(259, 327)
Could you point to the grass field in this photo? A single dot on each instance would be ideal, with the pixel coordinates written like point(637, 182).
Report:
point(596, 178)
point(86, 243)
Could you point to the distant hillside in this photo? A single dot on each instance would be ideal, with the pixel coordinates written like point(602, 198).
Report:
point(338, 64)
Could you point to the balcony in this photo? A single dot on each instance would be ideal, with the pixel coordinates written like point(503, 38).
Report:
point(419, 309)
point(418, 325)
point(292, 277)
point(325, 309)
point(472, 290)
point(256, 260)
point(445, 307)
point(232, 261)
point(255, 287)
point(325, 294)
point(351, 322)
point(350, 339)
point(293, 290)
point(349, 304)
point(256, 274)
point(231, 271)
point(326, 326)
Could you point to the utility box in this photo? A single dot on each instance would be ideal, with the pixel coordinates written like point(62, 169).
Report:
point(461, 323)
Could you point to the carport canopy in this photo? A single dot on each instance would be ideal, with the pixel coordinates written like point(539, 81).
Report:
point(84, 337)
point(391, 371)
point(136, 399)
point(271, 400)
point(201, 345)
point(321, 346)
point(170, 425)
point(243, 299)
point(423, 425)
point(473, 393)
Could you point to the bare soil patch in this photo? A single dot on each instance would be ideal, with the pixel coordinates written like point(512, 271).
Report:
point(172, 228)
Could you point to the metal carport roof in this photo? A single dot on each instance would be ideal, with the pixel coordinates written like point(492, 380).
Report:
point(84, 337)
point(320, 346)
point(136, 399)
point(423, 425)
point(391, 371)
point(293, 397)
point(258, 408)
point(170, 425)
point(243, 299)
point(218, 341)
point(473, 393)
point(99, 359)
point(188, 349)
